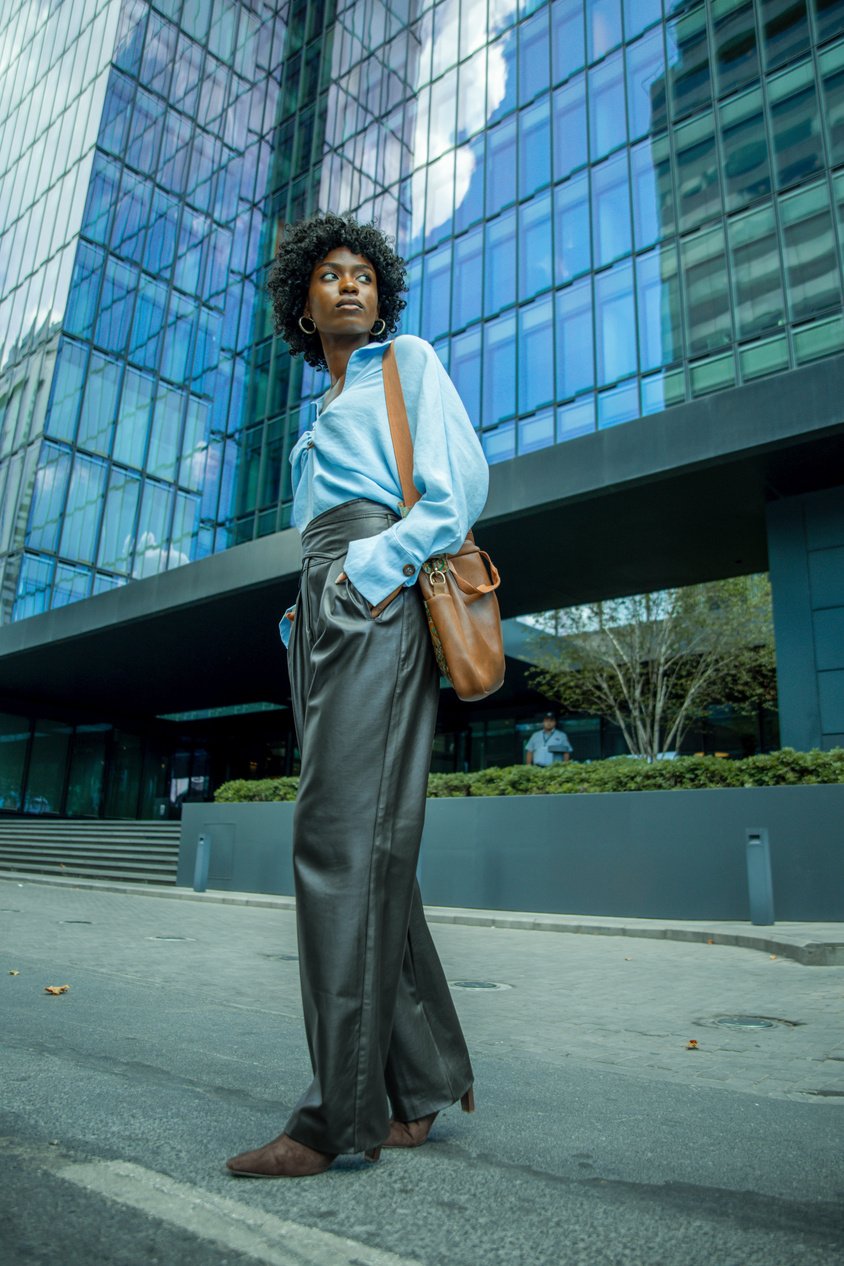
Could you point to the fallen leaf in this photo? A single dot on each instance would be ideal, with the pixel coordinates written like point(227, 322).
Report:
point(692, 1045)
point(14, 973)
point(54, 989)
point(772, 957)
point(628, 958)
point(710, 940)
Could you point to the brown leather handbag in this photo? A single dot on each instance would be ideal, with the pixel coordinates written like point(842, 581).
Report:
point(458, 589)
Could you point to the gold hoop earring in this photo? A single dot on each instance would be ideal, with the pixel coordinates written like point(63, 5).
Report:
point(383, 325)
point(302, 328)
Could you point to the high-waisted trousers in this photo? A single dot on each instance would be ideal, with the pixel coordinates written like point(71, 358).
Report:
point(379, 1017)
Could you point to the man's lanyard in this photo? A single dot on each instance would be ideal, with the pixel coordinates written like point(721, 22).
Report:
point(546, 738)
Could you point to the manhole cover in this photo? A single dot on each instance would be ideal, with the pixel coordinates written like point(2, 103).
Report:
point(751, 1022)
point(284, 958)
point(478, 984)
point(171, 938)
point(88, 921)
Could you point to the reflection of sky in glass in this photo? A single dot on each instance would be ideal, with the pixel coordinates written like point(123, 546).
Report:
point(57, 68)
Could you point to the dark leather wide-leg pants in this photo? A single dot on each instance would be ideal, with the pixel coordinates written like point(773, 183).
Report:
point(378, 1012)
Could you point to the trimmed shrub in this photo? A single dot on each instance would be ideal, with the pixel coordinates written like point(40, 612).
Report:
point(624, 773)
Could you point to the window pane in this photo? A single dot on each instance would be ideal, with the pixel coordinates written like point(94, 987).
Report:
point(567, 32)
point(615, 323)
point(747, 172)
point(185, 528)
point(832, 83)
point(14, 738)
point(468, 279)
point(84, 502)
point(130, 217)
point(569, 127)
point(148, 322)
point(534, 148)
point(577, 418)
point(575, 370)
point(436, 293)
point(500, 282)
point(133, 419)
point(118, 535)
point(536, 355)
point(646, 101)
point(166, 432)
point(754, 253)
point(466, 371)
point(115, 308)
point(537, 431)
point(84, 290)
point(798, 149)
point(689, 61)
point(811, 265)
point(535, 263)
point(619, 404)
point(153, 531)
point(85, 781)
point(785, 31)
point(177, 337)
point(47, 767)
point(469, 182)
point(99, 405)
point(499, 385)
point(534, 67)
point(736, 51)
point(501, 167)
point(640, 13)
point(829, 18)
point(698, 184)
point(611, 210)
point(603, 27)
point(48, 498)
point(34, 586)
point(102, 196)
point(706, 296)
point(607, 126)
point(195, 445)
point(659, 311)
point(68, 380)
point(572, 229)
point(70, 585)
point(651, 185)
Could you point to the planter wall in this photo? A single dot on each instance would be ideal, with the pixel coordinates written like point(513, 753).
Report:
point(646, 854)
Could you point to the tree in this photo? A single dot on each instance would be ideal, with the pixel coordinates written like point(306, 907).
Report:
point(653, 662)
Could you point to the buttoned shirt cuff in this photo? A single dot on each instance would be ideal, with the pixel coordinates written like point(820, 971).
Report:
point(285, 627)
point(377, 565)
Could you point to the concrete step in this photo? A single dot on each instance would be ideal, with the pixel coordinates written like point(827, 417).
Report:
point(143, 852)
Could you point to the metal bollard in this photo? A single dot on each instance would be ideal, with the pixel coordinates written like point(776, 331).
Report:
point(202, 862)
point(759, 882)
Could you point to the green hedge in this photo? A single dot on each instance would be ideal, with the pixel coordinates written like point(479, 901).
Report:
point(623, 773)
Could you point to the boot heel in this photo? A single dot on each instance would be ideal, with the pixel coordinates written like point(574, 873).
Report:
point(373, 1155)
point(467, 1103)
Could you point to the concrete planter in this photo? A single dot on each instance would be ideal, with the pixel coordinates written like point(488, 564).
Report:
point(644, 854)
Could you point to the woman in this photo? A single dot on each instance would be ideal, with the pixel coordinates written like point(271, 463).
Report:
point(378, 1013)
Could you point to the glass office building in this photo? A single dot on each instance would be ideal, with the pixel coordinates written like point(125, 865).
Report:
point(610, 209)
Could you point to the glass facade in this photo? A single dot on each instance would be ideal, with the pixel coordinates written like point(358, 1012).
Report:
point(609, 207)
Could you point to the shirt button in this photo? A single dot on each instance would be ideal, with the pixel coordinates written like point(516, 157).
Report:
point(408, 569)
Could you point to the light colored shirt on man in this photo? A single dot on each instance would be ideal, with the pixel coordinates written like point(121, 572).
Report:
point(548, 746)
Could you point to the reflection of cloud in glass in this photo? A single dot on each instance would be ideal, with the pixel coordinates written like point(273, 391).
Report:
point(483, 83)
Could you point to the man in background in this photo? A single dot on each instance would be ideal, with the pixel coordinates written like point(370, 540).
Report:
point(548, 746)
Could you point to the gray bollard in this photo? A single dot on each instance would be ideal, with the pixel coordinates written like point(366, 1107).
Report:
point(202, 862)
point(759, 882)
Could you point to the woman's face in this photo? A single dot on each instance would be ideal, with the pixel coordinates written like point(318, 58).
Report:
point(343, 294)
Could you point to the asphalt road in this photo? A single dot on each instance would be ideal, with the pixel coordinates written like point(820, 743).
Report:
point(600, 1142)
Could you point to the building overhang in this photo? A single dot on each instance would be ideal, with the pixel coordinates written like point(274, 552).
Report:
point(670, 499)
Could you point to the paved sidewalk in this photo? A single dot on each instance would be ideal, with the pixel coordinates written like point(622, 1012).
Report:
point(812, 944)
point(631, 1000)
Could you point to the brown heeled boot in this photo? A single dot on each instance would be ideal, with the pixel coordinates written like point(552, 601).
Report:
point(415, 1133)
point(285, 1158)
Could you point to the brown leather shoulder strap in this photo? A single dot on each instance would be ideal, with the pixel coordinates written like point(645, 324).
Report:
point(399, 426)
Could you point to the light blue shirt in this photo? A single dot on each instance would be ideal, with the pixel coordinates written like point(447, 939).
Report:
point(348, 453)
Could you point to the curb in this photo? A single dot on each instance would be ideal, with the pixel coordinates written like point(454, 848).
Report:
point(792, 941)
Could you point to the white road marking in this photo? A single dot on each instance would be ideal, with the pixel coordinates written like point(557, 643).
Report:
point(242, 1228)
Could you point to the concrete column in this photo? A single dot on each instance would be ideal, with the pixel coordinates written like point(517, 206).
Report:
point(806, 562)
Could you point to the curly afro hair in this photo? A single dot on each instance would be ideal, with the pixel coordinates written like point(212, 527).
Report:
point(302, 246)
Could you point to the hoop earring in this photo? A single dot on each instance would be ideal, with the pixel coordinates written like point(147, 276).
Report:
point(302, 328)
point(383, 325)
